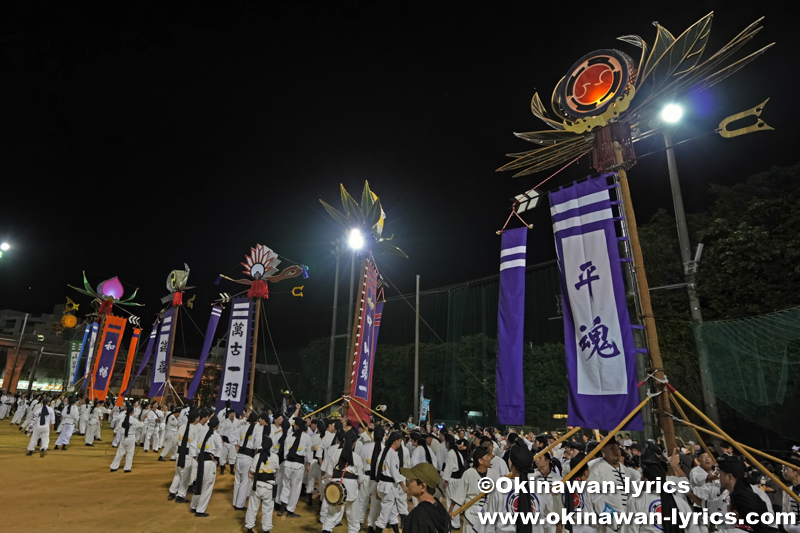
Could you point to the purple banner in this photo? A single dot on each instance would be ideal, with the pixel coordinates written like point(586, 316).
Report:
point(600, 352)
point(89, 353)
point(147, 353)
point(166, 336)
point(237, 356)
point(510, 326)
point(83, 343)
point(216, 311)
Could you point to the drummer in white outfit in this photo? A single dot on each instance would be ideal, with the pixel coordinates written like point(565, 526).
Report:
point(346, 469)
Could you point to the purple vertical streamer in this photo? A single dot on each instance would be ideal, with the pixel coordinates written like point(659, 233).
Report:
point(147, 353)
point(216, 311)
point(510, 326)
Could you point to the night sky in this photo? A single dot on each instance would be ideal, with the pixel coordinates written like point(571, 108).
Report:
point(166, 132)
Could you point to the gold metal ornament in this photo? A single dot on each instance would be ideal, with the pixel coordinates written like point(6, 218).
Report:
point(760, 125)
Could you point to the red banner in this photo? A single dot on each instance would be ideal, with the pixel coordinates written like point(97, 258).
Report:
point(107, 350)
point(128, 365)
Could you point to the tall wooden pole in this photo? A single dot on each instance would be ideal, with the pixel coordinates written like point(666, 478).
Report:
point(664, 410)
point(253, 355)
point(353, 348)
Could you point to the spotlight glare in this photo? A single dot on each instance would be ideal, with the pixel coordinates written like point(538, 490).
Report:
point(355, 240)
point(5, 246)
point(672, 113)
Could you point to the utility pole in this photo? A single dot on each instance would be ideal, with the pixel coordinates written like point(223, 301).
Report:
point(664, 410)
point(33, 370)
point(689, 272)
point(337, 252)
point(10, 378)
point(416, 359)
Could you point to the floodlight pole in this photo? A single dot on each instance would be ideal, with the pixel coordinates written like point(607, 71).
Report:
point(664, 410)
point(329, 391)
point(689, 272)
point(350, 318)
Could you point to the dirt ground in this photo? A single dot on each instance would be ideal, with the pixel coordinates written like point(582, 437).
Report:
point(75, 490)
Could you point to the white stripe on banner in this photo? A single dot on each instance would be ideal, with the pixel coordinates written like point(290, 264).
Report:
point(240, 313)
point(512, 264)
point(597, 375)
point(241, 306)
point(167, 320)
point(165, 329)
point(583, 219)
point(579, 202)
point(512, 251)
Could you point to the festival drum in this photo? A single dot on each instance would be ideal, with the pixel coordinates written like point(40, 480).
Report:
point(335, 493)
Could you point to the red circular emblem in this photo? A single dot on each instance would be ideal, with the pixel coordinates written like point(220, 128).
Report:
point(594, 81)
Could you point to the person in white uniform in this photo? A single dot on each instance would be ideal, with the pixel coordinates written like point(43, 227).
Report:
point(315, 471)
point(150, 419)
point(45, 420)
point(247, 443)
point(262, 473)
point(227, 431)
point(521, 465)
point(454, 468)
point(127, 445)
point(347, 469)
point(170, 436)
point(296, 446)
point(609, 467)
point(469, 487)
point(22, 406)
point(389, 481)
point(161, 426)
point(84, 416)
point(70, 417)
point(654, 469)
point(207, 452)
point(182, 476)
point(93, 419)
point(367, 497)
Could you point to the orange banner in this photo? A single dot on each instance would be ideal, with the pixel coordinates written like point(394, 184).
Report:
point(128, 365)
point(107, 350)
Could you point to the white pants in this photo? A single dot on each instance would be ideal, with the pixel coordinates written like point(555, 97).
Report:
point(314, 476)
point(350, 507)
point(40, 432)
point(169, 443)
point(365, 490)
point(228, 455)
point(241, 483)
point(66, 433)
point(374, 504)
point(27, 422)
point(149, 437)
point(3, 411)
point(200, 502)
point(82, 424)
point(159, 441)
point(402, 501)
point(125, 449)
point(387, 492)
point(292, 483)
point(262, 495)
point(455, 522)
point(180, 480)
point(19, 415)
point(92, 431)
